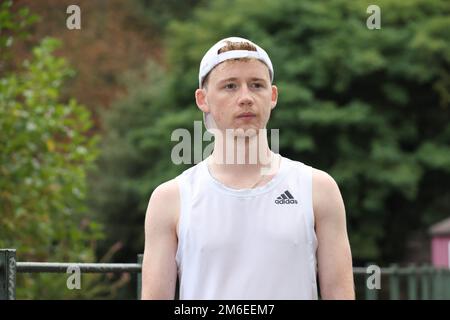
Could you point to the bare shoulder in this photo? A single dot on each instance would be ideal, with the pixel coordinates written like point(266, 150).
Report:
point(322, 179)
point(166, 191)
point(163, 206)
point(159, 270)
point(326, 194)
point(334, 257)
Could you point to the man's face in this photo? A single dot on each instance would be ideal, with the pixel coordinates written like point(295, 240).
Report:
point(239, 95)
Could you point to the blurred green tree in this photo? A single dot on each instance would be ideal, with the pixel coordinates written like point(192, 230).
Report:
point(45, 152)
point(371, 107)
point(159, 13)
point(13, 25)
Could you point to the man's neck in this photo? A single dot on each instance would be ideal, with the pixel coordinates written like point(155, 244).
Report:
point(243, 162)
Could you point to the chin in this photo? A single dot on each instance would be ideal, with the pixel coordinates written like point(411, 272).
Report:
point(246, 131)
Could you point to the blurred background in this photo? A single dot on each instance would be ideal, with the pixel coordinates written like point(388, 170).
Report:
point(86, 118)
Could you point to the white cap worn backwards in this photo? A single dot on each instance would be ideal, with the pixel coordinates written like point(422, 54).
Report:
point(212, 58)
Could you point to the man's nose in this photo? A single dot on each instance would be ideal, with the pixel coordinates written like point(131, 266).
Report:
point(245, 96)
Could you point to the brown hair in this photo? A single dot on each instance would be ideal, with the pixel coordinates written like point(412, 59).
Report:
point(242, 45)
point(237, 46)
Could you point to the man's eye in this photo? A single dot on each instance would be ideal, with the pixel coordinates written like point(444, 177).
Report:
point(257, 85)
point(230, 86)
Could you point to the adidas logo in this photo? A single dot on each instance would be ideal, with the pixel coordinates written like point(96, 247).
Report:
point(285, 198)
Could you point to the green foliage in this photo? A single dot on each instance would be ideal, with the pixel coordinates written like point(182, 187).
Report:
point(158, 13)
point(371, 107)
point(12, 25)
point(45, 151)
point(137, 138)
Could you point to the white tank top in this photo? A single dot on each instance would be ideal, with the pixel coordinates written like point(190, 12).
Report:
point(247, 244)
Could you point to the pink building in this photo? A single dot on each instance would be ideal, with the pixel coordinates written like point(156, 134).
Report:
point(440, 244)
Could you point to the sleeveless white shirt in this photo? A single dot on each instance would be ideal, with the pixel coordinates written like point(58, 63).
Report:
point(247, 244)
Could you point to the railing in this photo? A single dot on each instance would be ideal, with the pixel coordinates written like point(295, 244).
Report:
point(9, 267)
point(406, 283)
point(393, 282)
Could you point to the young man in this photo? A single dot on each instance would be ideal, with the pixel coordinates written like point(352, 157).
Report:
point(232, 227)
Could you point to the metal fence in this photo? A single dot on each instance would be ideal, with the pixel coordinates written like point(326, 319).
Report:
point(9, 267)
point(393, 282)
point(405, 283)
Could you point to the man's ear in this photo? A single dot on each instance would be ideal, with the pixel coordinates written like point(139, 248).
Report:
point(200, 99)
point(274, 96)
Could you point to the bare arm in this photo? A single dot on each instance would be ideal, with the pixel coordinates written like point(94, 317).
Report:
point(333, 253)
point(159, 269)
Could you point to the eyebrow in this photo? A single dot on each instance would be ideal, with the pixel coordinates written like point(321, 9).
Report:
point(234, 79)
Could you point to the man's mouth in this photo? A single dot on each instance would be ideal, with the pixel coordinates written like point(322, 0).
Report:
point(246, 115)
